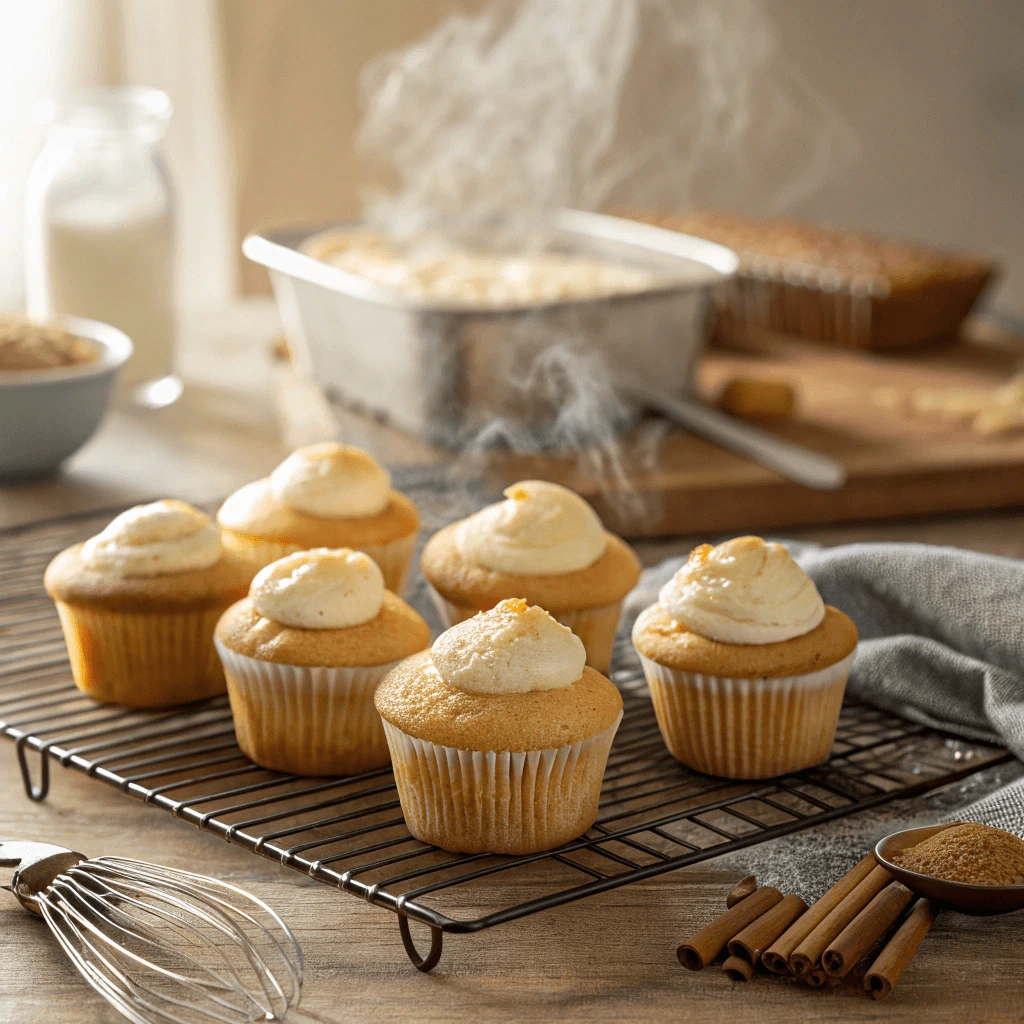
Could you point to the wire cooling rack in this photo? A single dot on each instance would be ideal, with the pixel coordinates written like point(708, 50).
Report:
point(655, 815)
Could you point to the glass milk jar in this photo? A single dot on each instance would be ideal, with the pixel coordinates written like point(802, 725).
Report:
point(100, 228)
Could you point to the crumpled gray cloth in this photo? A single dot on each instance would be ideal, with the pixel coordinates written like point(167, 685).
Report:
point(941, 640)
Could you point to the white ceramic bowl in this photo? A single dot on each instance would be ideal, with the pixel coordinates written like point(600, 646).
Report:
point(47, 415)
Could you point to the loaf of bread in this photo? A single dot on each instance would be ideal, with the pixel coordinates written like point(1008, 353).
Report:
point(836, 286)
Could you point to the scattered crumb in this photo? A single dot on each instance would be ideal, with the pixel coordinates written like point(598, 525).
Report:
point(756, 398)
point(893, 399)
point(988, 411)
point(281, 350)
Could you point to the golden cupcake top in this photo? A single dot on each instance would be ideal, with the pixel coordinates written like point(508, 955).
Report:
point(541, 528)
point(333, 481)
point(415, 699)
point(464, 582)
point(513, 648)
point(320, 589)
point(157, 539)
point(396, 632)
point(658, 637)
point(745, 591)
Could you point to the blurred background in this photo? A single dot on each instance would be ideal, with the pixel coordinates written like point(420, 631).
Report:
point(839, 378)
point(266, 110)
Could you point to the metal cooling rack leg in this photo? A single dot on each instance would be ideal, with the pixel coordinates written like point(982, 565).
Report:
point(32, 791)
point(429, 962)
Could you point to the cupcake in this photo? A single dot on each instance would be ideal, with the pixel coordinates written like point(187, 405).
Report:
point(499, 734)
point(544, 544)
point(303, 654)
point(324, 496)
point(745, 663)
point(138, 604)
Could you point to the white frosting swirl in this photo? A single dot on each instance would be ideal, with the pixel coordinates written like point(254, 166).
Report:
point(334, 481)
point(325, 588)
point(513, 648)
point(743, 592)
point(158, 539)
point(542, 528)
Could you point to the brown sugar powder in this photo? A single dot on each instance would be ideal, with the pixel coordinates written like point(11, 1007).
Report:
point(971, 853)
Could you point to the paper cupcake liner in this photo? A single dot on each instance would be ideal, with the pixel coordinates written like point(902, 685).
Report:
point(306, 720)
point(473, 801)
point(748, 728)
point(596, 627)
point(143, 659)
point(394, 558)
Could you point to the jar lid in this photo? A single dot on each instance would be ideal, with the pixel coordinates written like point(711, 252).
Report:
point(138, 110)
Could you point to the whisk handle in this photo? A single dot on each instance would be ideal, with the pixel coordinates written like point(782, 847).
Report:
point(36, 866)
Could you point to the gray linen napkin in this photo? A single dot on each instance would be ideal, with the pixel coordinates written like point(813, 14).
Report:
point(942, 641)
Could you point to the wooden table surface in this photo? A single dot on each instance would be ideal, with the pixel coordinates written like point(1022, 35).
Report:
point(607, 958)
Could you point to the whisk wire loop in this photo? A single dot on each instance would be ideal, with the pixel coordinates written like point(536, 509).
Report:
point(165, 945)
point(75, 915)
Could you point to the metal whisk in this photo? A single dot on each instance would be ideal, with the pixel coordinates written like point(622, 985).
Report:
point(160, 944)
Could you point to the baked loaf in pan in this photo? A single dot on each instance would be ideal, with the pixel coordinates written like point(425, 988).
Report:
point(837, 286)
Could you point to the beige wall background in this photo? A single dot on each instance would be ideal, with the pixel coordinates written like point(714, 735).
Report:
point(933, 90)
point(291, 69)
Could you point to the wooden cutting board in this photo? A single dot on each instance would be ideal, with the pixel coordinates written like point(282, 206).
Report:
point(899, 464)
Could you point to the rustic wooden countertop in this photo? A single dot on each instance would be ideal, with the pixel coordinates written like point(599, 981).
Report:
point(610, 957)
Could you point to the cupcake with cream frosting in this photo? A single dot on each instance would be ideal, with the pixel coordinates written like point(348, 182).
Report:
point(324, 496)
point(544, 544)
point(138, 604)
point(745, 662)
point(303, 654)
point(499, 734)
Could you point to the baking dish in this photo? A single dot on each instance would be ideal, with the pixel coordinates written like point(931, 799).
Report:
point(443, 369)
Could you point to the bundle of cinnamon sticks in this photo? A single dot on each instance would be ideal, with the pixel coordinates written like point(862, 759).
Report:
point(820, 943)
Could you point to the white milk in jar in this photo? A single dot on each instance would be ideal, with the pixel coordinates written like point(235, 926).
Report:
point(100, 230)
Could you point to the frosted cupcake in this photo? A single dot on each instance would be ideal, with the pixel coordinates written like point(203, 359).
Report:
point(303, 654)
point(544, 544)
point(745, 663)
point(499, 734)
point(324, 496)
point(138, 604)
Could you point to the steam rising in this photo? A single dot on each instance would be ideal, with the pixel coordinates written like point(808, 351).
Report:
point(494, 122)
point(568, 406)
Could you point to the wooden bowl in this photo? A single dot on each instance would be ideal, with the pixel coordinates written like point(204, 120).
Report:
point(968, 899)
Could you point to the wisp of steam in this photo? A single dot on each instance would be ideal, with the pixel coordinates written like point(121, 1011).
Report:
point(494, 122)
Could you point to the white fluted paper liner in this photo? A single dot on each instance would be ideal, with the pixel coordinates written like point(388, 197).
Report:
point(307, 720)
point(473, 801)
point(143, 659)
point(393, 558)
point(594, 626)
point(748, 728)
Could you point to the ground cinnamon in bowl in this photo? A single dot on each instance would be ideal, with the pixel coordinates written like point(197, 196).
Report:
point(27, 345)
point(970, 853)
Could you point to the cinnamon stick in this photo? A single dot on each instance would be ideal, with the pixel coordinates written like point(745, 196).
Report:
point(750, 943)
point(737, 969)
point(710, 941)
point(808, 953)
point(815, 977)
point(900, 949)
point(776, 957)
point(865, 930)
point(741, 890)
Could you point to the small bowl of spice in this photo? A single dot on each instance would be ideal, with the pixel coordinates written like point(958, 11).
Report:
point(966, 866)
point(55, 384)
